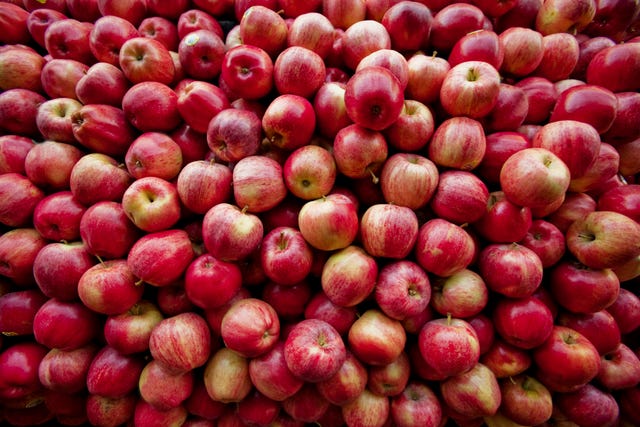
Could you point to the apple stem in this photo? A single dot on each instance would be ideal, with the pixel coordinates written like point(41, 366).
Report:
point(139, 282)
point(434, 54)
point(245, 209)
point(100, 259)
point(449, 318)
point(374, 178)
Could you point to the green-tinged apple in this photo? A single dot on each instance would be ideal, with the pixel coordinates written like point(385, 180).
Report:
point(152, 204)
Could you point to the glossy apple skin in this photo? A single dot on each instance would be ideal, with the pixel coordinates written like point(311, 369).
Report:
point(65, 325)
point(501, 211)
point(510, 269)
point(152, 204)
point(329, 223)
point(38, 164)
point(18, 309)
point(523, 50)
point(271, 376)
point(458, 142)
point(66, 371)
point(555, 66)
point(258, 183)
point(163, 388)
point(578, 406)
point(13, 151)
point(620, 66)
point(566, 361)
point(20, 370)
point(513, 318)
point(526, 400)
point(302, 357)
point(18, 250)
point(99, 226)
point(321, 307)
point(391, 293)
point(460, 197)
point(388, 230)
point(624, 127)
point(156, 63)
point(600, 328)
point(437, 240)
point(248, 71)
point(103, 128)
point(289, 121)
point(129, 332)
point(474, 393)
point(506, 360)
point(376, 339)
point(622, 199)
point(251, 327)
point(601, 114)
point(470, 88)
point(542, 95)
point(210, 282)
point(546, 240)
point(452, 22)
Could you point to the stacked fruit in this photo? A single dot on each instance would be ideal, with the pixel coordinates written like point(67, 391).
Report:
point(342, 212)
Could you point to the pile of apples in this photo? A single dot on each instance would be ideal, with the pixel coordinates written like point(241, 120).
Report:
point(320, 212)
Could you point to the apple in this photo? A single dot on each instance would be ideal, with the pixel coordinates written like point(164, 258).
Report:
point(198, 102)
point(145, 413)
point(162, 388)
point(105, 411)
point(349, 276)
point(54, 119)
point(200, 18)
point(408, 15)
point(133, 11)
point(14, 24)
point(201, 54)
point(226, 376)
point(460, 197)
point(513, 317)
point(65, 325)
point(109, 287)
point(624, 126)
point(470, 89)
point(201, 405)
point(210, 282)
point(403, 289)
point(20, 363)
point(452, 22)
point(330, 222)
point(464, 294)
point(203, 184)
point(619, 369)
point(294, 9)
point(321, 307)
point(20, 198)
point(499, 147)
point(234, 134)
point(391, 379)
point(22, 66)
point(438, 240)
point(575, 206)
point(566, 361)
point(568, 279)
point(506, 360)
point(525, 400)
point(248, 71)
point(603, 239)
point(439, 334)
point(523, 50)
point(289, 122)
point(142, 59)
point(313, 350)
point(160, 258)
point(360, 152)
point(388, 230)
point(501, 211)
point(311, 30)
point(299, 71)
point(60, 76)
point(426, 74)
point(390, 59)
point(285, 257)
point(307, 405)
point(250, 327)
point(413, 128)
point(367, 409)
point(346, 384)
point(404, 171)
point(13, 151)
point(164, 117)
point(113, 374)
point(271, 376)
point(310, 172)
point(534, 177)
point(108, 35)
point(599, 327)
point(129, 332)
point(264, 28)
point(230, 233)
point(181, 342)
point(103, 129)
point(343, 14)
point(18, 250)
point(83, 10)
point(39, 162)
point(18, 112)
point(154, 154)
point(257, 408)
point(510, 269)
point(458, 142)
point(417, 405)
point(329, 106)
point(474, 393)
point(628, 164)
point(374, 98)
point(58, 268)
point(106, 231)
point(57, 217)
point(362, 38)
point(161, 29)
point(555, 66)
point(18, 310)
point(69, 39)
point(152, 203)
point(561, 16)
point(621, 199)
point(98, 177)
point(578, 406)
point(608, 61)
point(546, 240)
point(38, 21)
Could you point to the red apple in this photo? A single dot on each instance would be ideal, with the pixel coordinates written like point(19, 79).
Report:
point(417, 405)
point(164, 117)
point(60, 76)
point(161, 29)
point(201, 54)
point(376, 339)
point(452, 22)
point(201, 17)
point(523, 50)
point(113, 374)
point(103, 129)
point(152, 203)
point(271, 376)
point(460, 197)
point(54, 119)
point(525, 400)
point(618, 64)
point(513, 318)
point(321, 307)
point(403, 289)
point(18, 310)
point(160, 258)
point(307, 405)
point(59, 266)
point(546, 240)
point(426, 74)
point(13, 21)
point(388, 230)
point(367, 409)
point(199, 102)
point(311, 30)
point(133, 10)
point(69, 39)
point(43, 156)
point(413, 128)
point(234, 134)
point(624, 126)
point(600, 328)
point(202, 185)
point(561, 16)
point(65, 325)
point(396, 19)
point(344, 13)
point(472, 394)
point(250, 327)
point(109, 287)
point(619, 369)
point(162, 388)
point(512, 270)
point(289, 122)
point(330, 222)
point(349, 276)
point(359, 152)
point(57, 217)
point(438, 240)
point(106, 230)
point(181, 342)
point(258, 183)
point(18, 250)
point(18, 112)
point(142, 59)
point(458, 142)
point(129, 332)
point(20, 363)
point(106, 410)
point(154, 154)
point(264, 28)
point(248, 71)
point(231, 233)
point(506, 360)
point(463, 294)
point(403, 171)
point(22, 66)
point(108, 35)
point(362, 38)
point(578, 406)
point(299, 71)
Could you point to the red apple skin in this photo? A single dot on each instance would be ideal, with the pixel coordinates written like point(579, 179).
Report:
point(258, 183)
point(196, 19)
point(367, 409)
point(622, 199)
point(523, 50)
point(510, 269)
point(18, 250)
point(20, 364)
point(108, 35)
point(23, 68)
point(600, 328)
point(38, 21)
point(426, 74)
point(417, 405)
point(619, 64)
point(329, 223)
point(152, 204)
point(566, 361)
point(359, 152)
point(54, 119)
point(512, 319)
point(458, 142)
point(155, 63)
point(567, 280)
point(201, 54)
point(69, 39)
point(346, 384)
point(546, 240)
point(574, 207)
point(434, 237)
point(263, 27)
point(60, 77)
point(525, 400)
point(313, 350)
point(13, 21)
point(463, 294)
point(560, 16)
point(234, 134)
point(210, 282)
point(405, 170)
point(65, 325)
point(472, 394)
point(18, 310)
point(601, 114)
point(161, 29)
point(289, 122)
point(58, 268)
point(13, 151)
point(349, 276)
point(470, 89)
point(452, 22)
point(264, 370)
point(103, 128)
point(624, 127)
point(541, 94)
point(199, 102)
point(57, 217)
point(154, 154)
point(105, 410)
point(135, 104)
point(374, 98)
point(230, 233)
point(42, 156)
point(499, 146)
point(285, 256)
point(129, 332)
point(360, 39)
point(506, 360)
point(481, 45)
point(248, 71)
point(173, 336)
point(510, 111)
point(145, 413)
point(299, 71)
point(250, 327)
point(402, 290)
point(133, 11)
point(439, 334)
point(388, 230)
point(460, 197)
point(163, 388)
point(106, 230)
point(321, 307)
point(113, 374)
point(558, 67)
point(501, 211)
point(485, 330)
point(619, 369)
point(579, 406)
point(594, 242)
